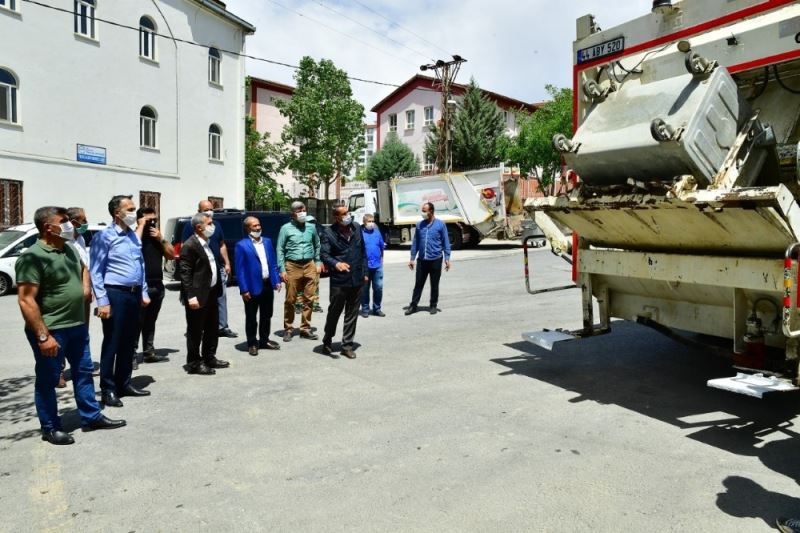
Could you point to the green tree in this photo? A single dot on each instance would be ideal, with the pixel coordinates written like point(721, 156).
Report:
point(262, 161)
point(392, 159)
point(477, 126)
point(325, 123)
point(532, 147)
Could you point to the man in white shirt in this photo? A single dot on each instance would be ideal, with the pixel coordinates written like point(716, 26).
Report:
point(200, 289)
point(258, 276)
point(77, 215)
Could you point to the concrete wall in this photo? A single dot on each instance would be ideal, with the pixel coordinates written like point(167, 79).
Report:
point(75, 90)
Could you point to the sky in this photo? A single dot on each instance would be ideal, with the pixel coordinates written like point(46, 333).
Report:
point(512, 47)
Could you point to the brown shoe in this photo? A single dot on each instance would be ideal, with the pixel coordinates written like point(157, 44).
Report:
point(308, 335)
point(253, 350)
point(349, 353)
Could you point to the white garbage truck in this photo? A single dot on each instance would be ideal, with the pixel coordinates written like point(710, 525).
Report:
point(685, 216)
point(473, 204)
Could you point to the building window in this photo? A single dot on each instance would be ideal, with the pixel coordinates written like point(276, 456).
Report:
point(84, 18)
point(409, 120)
point(147, 38)
point(393, 122)
point(8, 97)
point(150, 199)
point(505, 116)
point(147, 127)
point(215, 143)
point(9, 4)
point(217, 202)
point(214, 60)
point(429, 116)
point(428, 165)
point(10, 203)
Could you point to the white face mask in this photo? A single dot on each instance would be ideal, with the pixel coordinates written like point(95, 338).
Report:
point(301, 217)
point(130, 219)
point(255, 234)
point(347, 219)
point(370, 225)
point(209, 213)
point(208, 231)
point(67, 231)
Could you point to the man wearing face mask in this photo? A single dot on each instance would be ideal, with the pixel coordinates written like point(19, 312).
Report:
point(257, 272)
point(431, 243)
point(155, 248)
point(373, 242)
point(217, 244)
point(51, 297)
point(120, 288)
point(201, 286)
point(77, 216)
point(345, 257)
point(299, 262)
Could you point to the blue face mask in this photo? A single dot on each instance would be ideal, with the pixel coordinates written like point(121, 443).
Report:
point(81, 229)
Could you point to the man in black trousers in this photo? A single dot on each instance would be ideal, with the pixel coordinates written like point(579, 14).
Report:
point(200, 288)
point(345, 256)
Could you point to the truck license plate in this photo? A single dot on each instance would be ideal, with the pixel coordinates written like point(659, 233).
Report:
point(601, 50)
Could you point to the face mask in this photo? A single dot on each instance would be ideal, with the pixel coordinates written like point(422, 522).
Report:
point(130, 219)
point(66, 231)
point(255, 234)
point(80, 230)
point(209, 213)
point(370, 225)
point(347, 219)
point(208, 231)
point(301, 217)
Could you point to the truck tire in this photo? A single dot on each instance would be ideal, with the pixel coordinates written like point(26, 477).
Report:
point(456, 237)
point(474, 238)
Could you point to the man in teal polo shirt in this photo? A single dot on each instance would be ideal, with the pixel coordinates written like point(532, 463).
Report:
point(53, 290)
point(299, 262)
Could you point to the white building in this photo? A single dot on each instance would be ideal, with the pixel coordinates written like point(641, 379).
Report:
point(89, 109)
point(416, 105)
point(370, 144)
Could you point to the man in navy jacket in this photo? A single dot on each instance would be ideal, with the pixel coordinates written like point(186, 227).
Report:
point(431, 242)
point(257, 272)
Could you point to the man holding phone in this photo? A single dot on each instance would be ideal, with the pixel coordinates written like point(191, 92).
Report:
point(155, 248)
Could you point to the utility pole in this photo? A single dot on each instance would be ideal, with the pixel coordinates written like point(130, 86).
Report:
point(446, 72)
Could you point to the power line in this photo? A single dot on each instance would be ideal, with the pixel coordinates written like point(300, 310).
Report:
point(299, 14)
point(417, 35)
point(373, 30)
point(192, 43)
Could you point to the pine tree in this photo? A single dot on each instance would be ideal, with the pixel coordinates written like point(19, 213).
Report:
point(392, 159)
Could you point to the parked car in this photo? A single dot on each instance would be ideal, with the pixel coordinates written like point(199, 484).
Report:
point(232, 223)
point(17, 239)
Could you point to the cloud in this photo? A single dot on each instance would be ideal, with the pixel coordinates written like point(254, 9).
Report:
point(513, 47)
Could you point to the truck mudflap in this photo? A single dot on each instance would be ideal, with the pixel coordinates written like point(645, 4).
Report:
point(755, 385)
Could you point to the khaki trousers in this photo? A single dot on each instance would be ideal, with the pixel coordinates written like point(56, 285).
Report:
point(302, 280)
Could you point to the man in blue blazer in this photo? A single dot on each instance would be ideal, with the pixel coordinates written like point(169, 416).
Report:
point(257, 272)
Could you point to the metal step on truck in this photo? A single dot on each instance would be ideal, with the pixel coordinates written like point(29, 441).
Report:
point(685, 216)
point(474, 205)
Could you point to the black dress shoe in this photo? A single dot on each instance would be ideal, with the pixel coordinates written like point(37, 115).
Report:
point(130, 390)
point(217, 363)
point(228, 332)
point(379, 313)
point(411, 309)
point(200, 369)
point(253, 350)
point(364, 314)
point(103, 422)
point(110, 399)
point(327, 349)
point(154, 358)
point(349, 353)
point(433, 310)
point(287, 336)
point(308, 335)
point(56, 436)
point(269, 345)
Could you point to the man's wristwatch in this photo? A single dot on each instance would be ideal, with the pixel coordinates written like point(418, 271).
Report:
point(43, 337)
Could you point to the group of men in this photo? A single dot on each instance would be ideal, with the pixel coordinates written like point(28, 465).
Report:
point(122, 272)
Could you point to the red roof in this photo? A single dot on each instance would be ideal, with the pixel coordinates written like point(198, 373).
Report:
point(272, 86)
point(426, 82)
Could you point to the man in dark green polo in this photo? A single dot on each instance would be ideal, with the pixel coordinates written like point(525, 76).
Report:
point(52, 295)
point(299, 263)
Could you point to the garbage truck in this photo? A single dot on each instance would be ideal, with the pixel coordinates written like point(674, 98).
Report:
point(473, 204)
point(684, 153)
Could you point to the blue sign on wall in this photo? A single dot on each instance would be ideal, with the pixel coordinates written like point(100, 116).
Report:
point(91, 154)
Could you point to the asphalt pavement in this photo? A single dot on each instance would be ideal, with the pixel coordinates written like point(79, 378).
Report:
point(443, 423)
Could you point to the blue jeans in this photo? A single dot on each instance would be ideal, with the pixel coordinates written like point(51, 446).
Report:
point(376, 280)
point(120, 333)
point(72, 346)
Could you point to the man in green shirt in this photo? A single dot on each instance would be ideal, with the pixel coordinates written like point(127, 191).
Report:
point(299, 263)
point(53, 289)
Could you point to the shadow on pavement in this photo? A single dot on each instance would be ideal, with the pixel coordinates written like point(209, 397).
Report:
point(745, 498)
point(642, 371)
point(17, 409)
